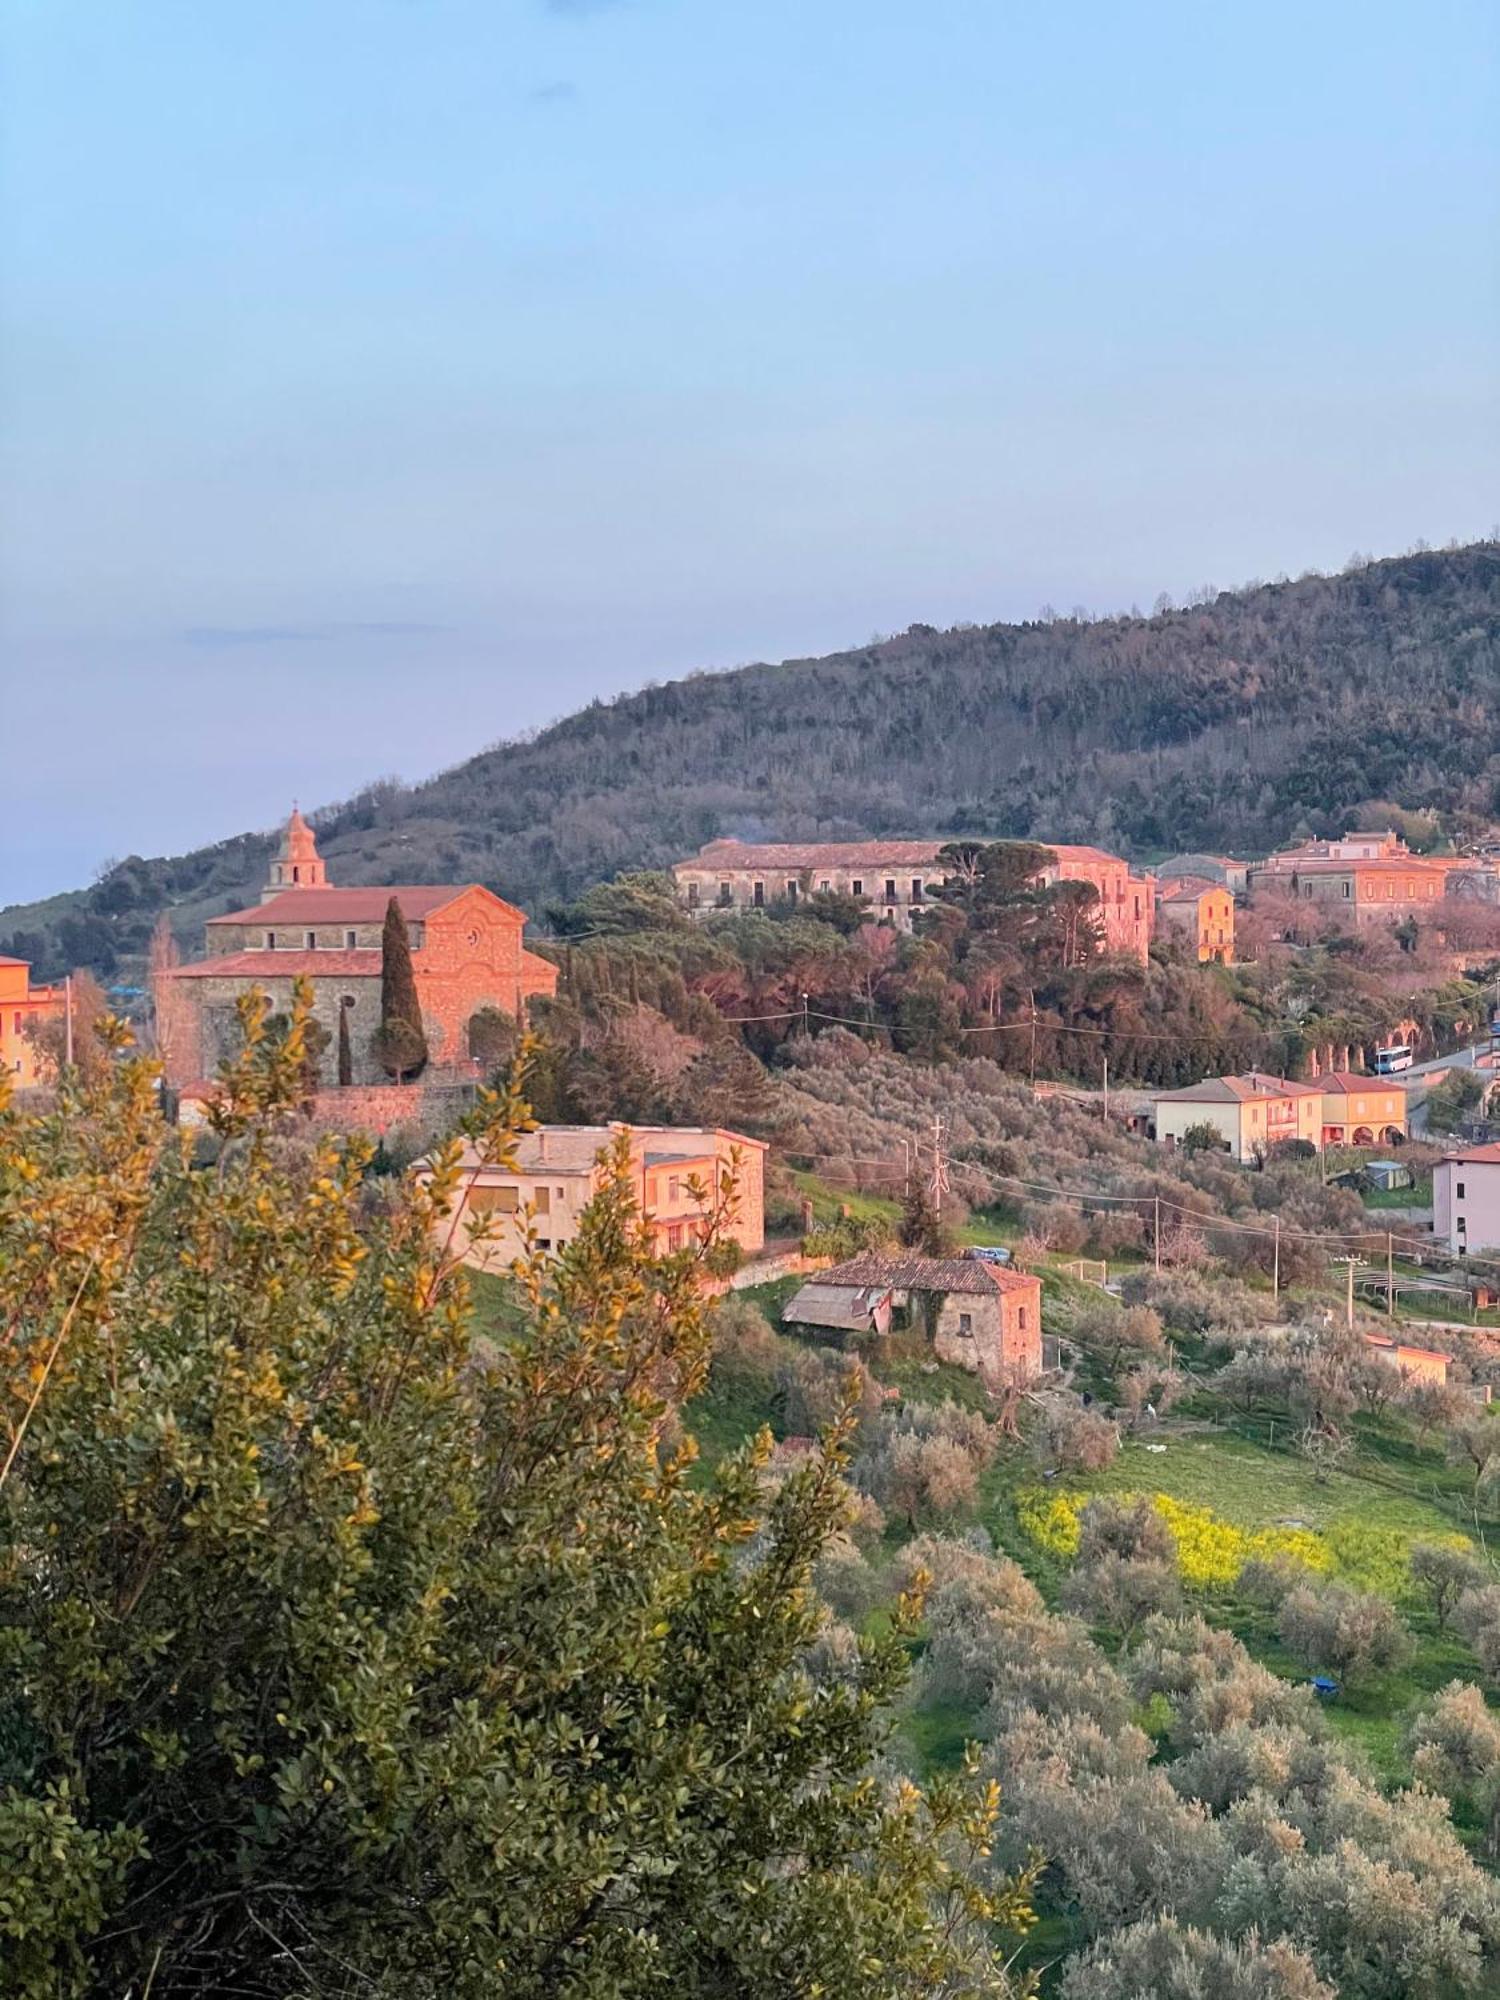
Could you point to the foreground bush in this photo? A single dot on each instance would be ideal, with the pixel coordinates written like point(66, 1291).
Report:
point(340, 1657)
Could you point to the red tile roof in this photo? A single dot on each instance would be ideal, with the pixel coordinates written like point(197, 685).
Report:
point(771, 855)
point(1188, 889)
point(287, 965)
point(1091, 857)
point(1348, 1080)
point(346, 906)
point(1473, 1156)
point(874, 1272)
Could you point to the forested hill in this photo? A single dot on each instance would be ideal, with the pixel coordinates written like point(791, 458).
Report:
point(1228, 724)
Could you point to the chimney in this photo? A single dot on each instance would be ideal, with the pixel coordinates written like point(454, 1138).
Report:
point(541, 1145)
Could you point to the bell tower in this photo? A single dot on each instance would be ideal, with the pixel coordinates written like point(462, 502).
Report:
point(298, 864)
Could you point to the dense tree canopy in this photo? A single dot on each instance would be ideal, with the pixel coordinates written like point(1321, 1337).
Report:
point(344, 1653)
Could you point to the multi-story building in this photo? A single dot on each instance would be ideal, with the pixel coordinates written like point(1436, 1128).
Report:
point(1250, 1113)
point(1201, 914)
point(1466, 1199)
point(895, 877)
point(677, 1174)
point(23, 1009)
point(1370, 878)
point(466, 954)
point(1127, 902)
point(1221, 868)
point(1362, 1110)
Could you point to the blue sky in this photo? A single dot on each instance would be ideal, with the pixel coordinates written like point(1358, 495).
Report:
point(386, 377)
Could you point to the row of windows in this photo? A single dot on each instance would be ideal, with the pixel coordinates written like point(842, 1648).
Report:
point(966, 1321)
point(284, 941)
point(793, 890)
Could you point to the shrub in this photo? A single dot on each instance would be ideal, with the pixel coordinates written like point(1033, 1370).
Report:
point(1345, 1632)
point(1072, 1439)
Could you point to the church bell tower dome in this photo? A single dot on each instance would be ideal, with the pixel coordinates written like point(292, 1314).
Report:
point(298, 864)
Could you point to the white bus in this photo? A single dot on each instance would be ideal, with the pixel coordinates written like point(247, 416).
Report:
point(1391, 1061)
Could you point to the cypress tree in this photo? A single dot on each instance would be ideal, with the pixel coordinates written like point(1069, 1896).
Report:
point(346, 1054)
point(402, 1044)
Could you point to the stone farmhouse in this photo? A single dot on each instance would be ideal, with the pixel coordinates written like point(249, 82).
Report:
point(896, 878)
point(983, 1317)
point(466, 953)
point(677, 1170)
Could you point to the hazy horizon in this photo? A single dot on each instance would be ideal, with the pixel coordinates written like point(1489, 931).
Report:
point(392, 378)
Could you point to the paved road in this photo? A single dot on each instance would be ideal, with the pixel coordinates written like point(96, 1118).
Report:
point(1460, 1059)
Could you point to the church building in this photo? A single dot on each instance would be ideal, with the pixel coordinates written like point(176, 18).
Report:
point(466, 954)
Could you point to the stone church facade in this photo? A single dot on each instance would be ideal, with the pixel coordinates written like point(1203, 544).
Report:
point(466, 953)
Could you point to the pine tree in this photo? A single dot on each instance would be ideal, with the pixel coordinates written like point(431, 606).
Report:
point(346, 1054)
point(401, 1043)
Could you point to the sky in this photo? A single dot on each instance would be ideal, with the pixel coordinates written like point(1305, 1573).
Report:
point(383, 378)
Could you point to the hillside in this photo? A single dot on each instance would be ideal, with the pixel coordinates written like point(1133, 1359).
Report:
point(1228, 723)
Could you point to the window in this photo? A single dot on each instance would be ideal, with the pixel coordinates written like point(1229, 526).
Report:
point(1348, 891)
point(351, 939)
point(312, 940)
point(270, 940)
point(296, 874)
point(825, 885)
point(856, 888)
point(541, 1201)
point(916, 888)
point(494, 1200)
point(1020, 1319)
point(966, 1323)
point(1459, 1190)
point(758, 895)
point(791, 892)
point(692, 895)
point(726, 894)
point(674, 1235)
point(18, 1024)
point(1463, 1227)
point(890, 889)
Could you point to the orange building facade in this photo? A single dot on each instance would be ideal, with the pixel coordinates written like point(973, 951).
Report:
point(1127, 902)
point(677, 1174)
point(1202, 915)
point(23, 1008)
point(466, 952)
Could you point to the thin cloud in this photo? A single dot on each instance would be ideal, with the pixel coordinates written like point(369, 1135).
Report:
point(560, 92)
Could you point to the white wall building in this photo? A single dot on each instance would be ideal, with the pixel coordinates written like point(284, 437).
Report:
point(1466, 1199)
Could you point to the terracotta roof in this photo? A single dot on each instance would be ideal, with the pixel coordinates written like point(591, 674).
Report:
point(1090, 857)
point(1349, 1080)
point(1321, 864)
point(1473, 1156)
point(816, 854)
point(875, 1272)
point(1239, 1089)
point(346, 906)
point(287, 965)
point(1406, 1347)
point(573, 1149)
point(1188, 889)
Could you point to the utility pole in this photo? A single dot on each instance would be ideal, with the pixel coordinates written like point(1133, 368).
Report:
point(1031, 995)
point(1349, 1289)
point(939, 1185)
point(806, 1030)
point(1276, 1261)
point(906, 1170)
point(68, 1019)
point(1106, 1090)
point(1391, 1277)
point(1156, 1234)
